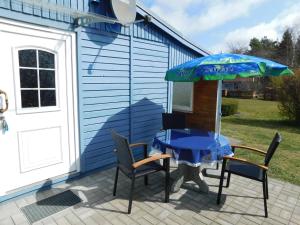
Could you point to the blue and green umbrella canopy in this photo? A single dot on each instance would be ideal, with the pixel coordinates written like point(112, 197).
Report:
point(225, 67)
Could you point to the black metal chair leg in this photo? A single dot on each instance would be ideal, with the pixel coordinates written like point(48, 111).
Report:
point(116, 181)
point(228, 179)
point(265, 198)
point(221, 182)
point(146, 180)
point(267, 186)
point(131, 194)
point(167, 181)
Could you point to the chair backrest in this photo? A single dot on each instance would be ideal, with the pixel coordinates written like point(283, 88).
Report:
point(272, 148)
point(124, 154)
point(173, 121)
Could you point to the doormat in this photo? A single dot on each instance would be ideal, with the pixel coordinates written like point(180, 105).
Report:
point(49, 206)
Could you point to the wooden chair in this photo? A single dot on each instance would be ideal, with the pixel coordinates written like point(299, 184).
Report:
point(142, 168)
point(173, 121)
point(244, 168)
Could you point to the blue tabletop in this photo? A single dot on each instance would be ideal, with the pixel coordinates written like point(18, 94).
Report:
point(192, 146)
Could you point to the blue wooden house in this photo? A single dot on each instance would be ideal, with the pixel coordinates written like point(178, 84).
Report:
point(69, 85)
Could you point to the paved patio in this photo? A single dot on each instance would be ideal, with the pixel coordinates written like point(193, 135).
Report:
point(241, 204)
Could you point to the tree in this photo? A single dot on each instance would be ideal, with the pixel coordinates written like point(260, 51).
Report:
point(237, 48)
point(285, 51)
point(264, 47)
point(297, 53)
point(255, 45)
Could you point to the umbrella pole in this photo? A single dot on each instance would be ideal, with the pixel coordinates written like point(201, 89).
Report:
point(219, 109)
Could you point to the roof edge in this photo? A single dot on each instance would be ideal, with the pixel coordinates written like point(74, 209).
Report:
point(162, 24)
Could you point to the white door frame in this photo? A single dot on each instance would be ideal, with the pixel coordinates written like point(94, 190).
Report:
point(18, 27)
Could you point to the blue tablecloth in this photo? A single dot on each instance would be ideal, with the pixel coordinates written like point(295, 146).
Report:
point(191, 146)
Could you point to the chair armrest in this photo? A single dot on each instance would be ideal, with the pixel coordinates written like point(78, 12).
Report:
point(150, 159)
point(137, 145)
point(245, 161)
point(249, 148)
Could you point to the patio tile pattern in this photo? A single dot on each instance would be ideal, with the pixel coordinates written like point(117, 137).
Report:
point(241, 203)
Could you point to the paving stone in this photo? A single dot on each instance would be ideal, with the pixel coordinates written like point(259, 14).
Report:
point(244, 220)
point(73, 219)
point(143, 221)
point(202, 219)
point(170, 222)
point(285, 214)
point(176, 219)
point(48, 221)
point(89, 221)
point(7, 221)
point(19, 218)
point(272, 222)
point(8, 209)
point(151, 219)
point(194, 221)
point(62, 221)
point(99, 219)
point(295, 218)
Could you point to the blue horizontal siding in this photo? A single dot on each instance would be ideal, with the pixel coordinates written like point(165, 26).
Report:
point(102, 112)
point(105, 94)
point(106, 60)
point(149, 64)
point(106, 131)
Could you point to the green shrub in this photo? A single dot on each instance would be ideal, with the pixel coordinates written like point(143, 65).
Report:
point(288, 91)
point(229, 108)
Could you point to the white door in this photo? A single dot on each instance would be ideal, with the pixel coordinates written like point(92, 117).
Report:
point(38, 76)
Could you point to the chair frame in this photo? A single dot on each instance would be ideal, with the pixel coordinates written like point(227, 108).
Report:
point(264, 169)
point(135, 165)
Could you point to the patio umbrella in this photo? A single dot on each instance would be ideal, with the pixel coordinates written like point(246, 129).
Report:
point(225, 67)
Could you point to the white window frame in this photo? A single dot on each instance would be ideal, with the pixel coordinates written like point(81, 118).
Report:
point(181, 108)
point(19, 108)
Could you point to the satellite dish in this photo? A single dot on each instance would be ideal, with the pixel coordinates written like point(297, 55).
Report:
point(124, 10)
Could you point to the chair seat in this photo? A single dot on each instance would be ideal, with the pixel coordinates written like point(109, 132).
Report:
point(148, 168)
point(244, 169)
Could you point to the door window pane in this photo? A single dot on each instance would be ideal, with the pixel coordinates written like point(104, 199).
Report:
point(183, 96)
point(47, 79)
point(46, 59)
point(48, 98)
point(37, 83)
point(28, 78)
point(27, 58)
point(29, 98)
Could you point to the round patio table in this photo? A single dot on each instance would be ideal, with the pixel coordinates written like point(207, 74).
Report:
point(191, 149)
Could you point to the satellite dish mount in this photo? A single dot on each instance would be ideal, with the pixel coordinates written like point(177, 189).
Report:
point(123, 10)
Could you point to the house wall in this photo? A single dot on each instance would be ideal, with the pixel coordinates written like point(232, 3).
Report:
point(120, 76)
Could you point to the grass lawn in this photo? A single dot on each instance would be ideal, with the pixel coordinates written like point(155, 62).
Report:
point(255, 125)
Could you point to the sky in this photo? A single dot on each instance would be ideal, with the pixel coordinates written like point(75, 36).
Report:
point(216, 25)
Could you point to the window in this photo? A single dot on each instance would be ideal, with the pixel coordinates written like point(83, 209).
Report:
point(37, 78)
point(183, 96)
